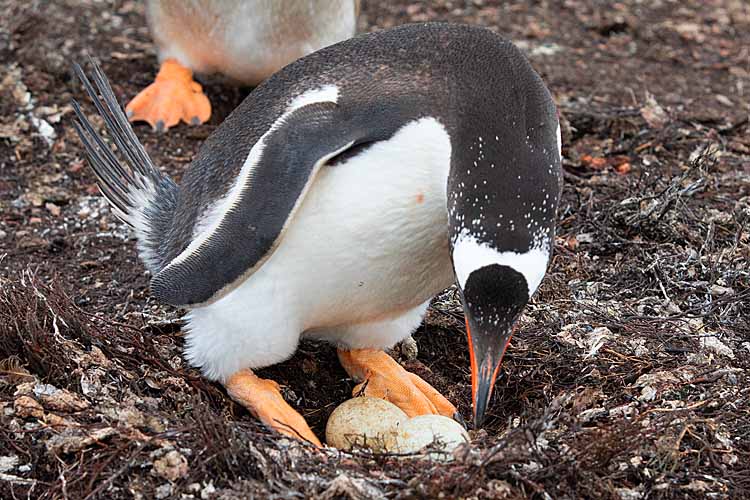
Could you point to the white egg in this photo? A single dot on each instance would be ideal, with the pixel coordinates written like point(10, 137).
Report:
point(366, 422)
point(424, 430)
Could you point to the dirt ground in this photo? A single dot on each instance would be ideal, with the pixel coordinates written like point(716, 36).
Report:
point(627, 379)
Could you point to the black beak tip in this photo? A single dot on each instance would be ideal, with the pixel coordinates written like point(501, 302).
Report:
point(479, 418)
point(480, 404)
point(482, 397)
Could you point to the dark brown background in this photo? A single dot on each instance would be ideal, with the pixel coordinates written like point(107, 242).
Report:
point(651, 262)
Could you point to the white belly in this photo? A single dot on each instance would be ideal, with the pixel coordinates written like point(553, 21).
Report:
point(247, 40)
point(369, 242)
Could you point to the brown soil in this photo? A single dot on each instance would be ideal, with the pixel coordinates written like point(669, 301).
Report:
point(628, 377)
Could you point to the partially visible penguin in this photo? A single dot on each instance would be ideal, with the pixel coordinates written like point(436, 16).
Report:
point(343, 194)
point(245, 40)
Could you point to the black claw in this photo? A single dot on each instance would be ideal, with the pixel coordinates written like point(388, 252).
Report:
point(195, 121)
point(160, 126)
point(460, 419)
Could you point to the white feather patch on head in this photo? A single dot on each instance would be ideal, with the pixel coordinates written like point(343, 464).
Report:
point(470, 254)
point(326, 93)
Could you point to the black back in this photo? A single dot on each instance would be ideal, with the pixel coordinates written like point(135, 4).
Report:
point(473, 81)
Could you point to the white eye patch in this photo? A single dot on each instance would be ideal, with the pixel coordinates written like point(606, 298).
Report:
point(469, 254)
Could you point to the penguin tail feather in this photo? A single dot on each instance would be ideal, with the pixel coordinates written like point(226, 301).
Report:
point(138, 193)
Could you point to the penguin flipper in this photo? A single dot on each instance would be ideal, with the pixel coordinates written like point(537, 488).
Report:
point(277, 174)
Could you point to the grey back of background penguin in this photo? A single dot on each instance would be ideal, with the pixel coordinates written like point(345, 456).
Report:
point(247, 40)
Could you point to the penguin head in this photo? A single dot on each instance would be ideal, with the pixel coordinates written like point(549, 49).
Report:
point(493, 298)
point(495, 285)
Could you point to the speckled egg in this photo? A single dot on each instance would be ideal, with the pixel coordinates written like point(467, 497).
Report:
point(418, 432)
point(365, 422)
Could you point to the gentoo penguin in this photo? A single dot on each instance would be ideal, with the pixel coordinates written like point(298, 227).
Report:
point(338, 198)
point(245, 40)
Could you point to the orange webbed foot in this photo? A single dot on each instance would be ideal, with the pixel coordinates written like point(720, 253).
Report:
point(263, 399)
point(382, 377)
point(173, 96)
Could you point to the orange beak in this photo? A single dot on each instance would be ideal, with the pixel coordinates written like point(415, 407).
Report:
point(486, 356)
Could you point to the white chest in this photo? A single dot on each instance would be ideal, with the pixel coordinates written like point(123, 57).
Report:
point(371, 238)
